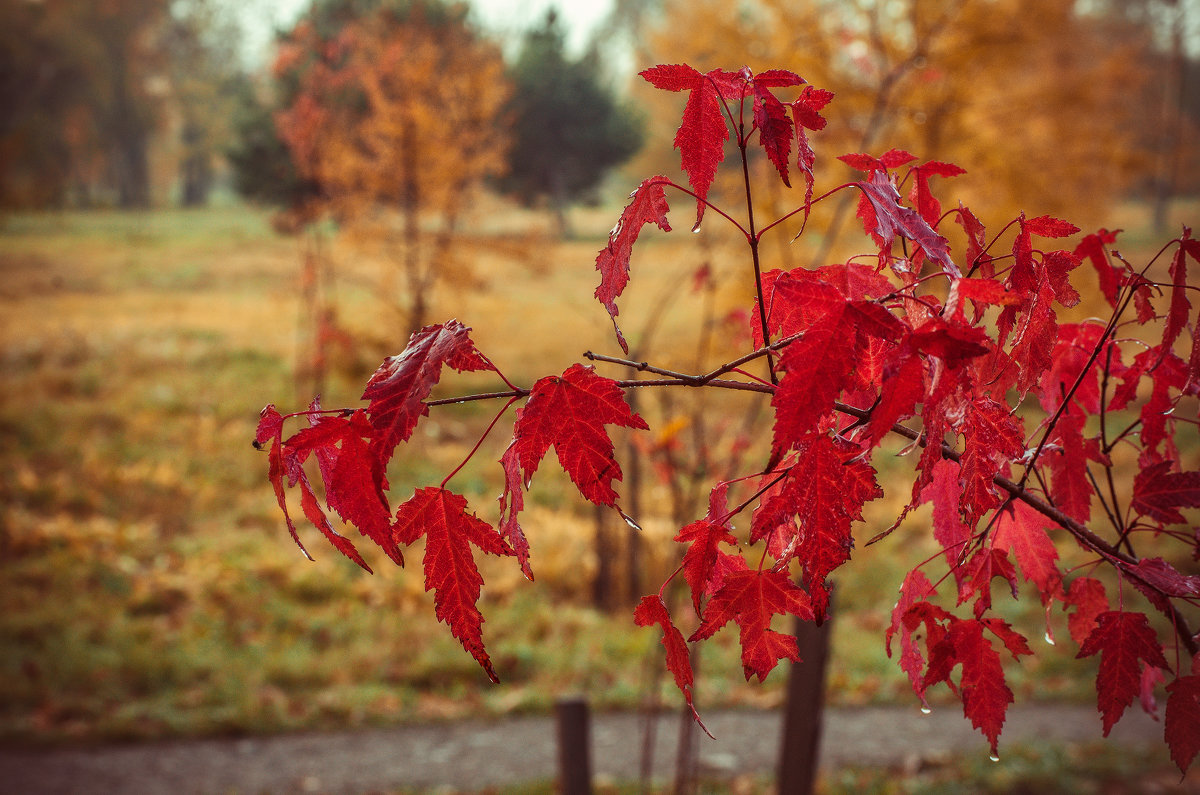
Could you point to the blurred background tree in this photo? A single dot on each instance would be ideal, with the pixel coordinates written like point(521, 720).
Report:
point(1052, 106)
point(568, 129)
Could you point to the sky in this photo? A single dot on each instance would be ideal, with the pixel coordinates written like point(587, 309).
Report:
point(506, 18)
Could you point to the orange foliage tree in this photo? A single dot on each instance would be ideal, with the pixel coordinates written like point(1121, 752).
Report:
point(395, 119)
point(1027, 95)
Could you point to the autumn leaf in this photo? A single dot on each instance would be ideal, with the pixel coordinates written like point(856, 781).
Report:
point(884, 217)
point(441, 517)
point(702, 134)
point(351, 473)
point(750, 598)
point(570, 412)
point(651, 611)
point(1086, 595)
point(1021, 530)
point(397, 390)
point(1158, 493)
point(1124, 641)
point(648, 205)
point(1181, 727)
point(705, 563)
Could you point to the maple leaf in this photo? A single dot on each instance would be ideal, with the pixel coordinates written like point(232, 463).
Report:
point(441, 517)
point(1086, 595)
point(1124, 641)
point(704, 561)
point(750, 598)
point(1181, 728)
point(351, 472)
point(270, 429)
point(944, 491)
point(650, 611)
point(1092, 248)
point(806, 113)
point(884, 218)
point(991, 439)
point(927, 205)
point(915, 589)
point(397, 390)
point(648, 205)
point(701, 136)
point(570, 412)
point(1021, 530)
point(1159, 493)
point(823, 494)
point(985, 695)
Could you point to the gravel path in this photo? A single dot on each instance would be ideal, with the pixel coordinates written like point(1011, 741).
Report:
point(475, 754)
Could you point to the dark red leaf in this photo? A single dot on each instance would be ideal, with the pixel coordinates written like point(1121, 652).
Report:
point(1182, 725)
point(1159, 493)
point(892, 218)
point(1124, 641)
point(1046, 226)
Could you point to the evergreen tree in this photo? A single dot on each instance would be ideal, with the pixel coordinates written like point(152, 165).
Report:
point(568, 129)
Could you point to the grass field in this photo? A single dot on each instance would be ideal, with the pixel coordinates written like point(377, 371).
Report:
point(149, 587)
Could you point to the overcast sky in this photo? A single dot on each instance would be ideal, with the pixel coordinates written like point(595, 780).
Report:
point(506, 18)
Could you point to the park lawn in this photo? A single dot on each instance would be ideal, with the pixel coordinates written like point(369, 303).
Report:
point(149, 584)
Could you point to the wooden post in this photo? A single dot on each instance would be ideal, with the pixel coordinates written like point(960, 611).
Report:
point(803, 710)
point(574, 746)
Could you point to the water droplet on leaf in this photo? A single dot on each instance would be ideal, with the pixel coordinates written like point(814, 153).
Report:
point(925, 710)
point(1048, 638)
point(994, 758)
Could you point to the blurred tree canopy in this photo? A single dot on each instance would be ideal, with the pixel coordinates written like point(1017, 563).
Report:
point(89, 90)
point(1045, 107)
point(391, 114)
point(568, 130)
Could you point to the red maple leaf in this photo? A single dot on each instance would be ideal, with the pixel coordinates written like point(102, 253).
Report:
point(1021, 530)
point(648, 205)
point(949, 530)
point(809, 517)
point(1158, 493)
point(991, 439)
point(1093, 249)
point(704, 562)
point(1181, 727)
point(570, 412)
point(806, 113)
point(651, 611)
point(884, 217)
point(985, 695)
point(915, 590)
point(927, 205)
point(450, 571)
point(397, 390)
point(1087, 596)
point(351, 473)
point(1124, 641)
point(701, 136)
point(750, 598)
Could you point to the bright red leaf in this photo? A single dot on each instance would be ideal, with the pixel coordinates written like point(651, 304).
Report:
point(750, 598)
point(398, 389)
point(648, 205)
point(651, 611)
point(570, 412)
point(441, 517)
